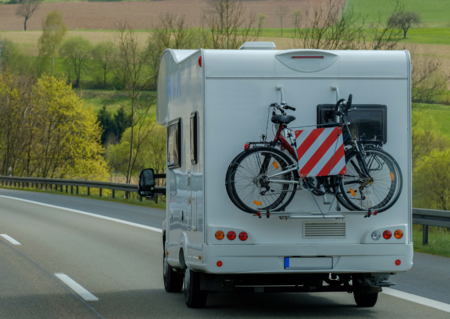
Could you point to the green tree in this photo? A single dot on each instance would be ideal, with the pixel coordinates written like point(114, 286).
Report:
point(404, 20)
point(122, 121)
point(103, 53)
point(76, 52)
point(54, 30)
point(108, 124)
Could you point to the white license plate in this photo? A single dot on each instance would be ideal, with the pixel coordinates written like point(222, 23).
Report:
point(305, 263)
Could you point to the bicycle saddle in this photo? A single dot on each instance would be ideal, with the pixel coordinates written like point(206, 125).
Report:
point(282, 119)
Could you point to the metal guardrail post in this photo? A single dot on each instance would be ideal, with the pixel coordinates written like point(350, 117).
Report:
point(100, 192)
point(113, 193)
point(89, 191)
point(425, 235)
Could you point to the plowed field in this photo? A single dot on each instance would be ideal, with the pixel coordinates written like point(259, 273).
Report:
point(140, 15)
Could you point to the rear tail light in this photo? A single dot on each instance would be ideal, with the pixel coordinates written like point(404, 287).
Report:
point(246, 146)
point(220, 235)
point(243, 236)
point(231, 235)
point(398, 262)
point(219, 264)
point(376, 235)
point(387, 234)
point(398, 234)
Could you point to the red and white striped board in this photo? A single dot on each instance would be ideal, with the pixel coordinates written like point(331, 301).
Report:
point(320, 152)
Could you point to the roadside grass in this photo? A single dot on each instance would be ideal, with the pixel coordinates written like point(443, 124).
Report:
point(438, 241)
point(439, 113)
point(133, 199)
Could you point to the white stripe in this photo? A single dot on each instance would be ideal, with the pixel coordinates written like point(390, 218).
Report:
point(314, 147)
point(10, 239)
point(339, 166)
point(326, 157)
point(87, 214)
point(417, 299)
point(80, 290)
point(302, 137)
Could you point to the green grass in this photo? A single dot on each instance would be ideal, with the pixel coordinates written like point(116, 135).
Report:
point(440, 115)
point(112, 99)
point(434, 13)
point(438, 241)
point(133, 198)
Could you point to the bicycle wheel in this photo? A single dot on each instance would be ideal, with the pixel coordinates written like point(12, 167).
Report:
point(250, 186)
point(382, 191)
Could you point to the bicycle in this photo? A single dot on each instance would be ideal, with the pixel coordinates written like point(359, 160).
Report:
point(267, 174)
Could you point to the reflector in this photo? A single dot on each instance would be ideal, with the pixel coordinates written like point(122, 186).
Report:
point(398, 262)
point(219, 264)
point(200, 61)
point(231, 235)
point(398, 234)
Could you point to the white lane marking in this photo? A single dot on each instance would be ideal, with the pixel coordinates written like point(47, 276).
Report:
point(417, 299)
point(10, 239)
point(80, 290)
point(87, 214)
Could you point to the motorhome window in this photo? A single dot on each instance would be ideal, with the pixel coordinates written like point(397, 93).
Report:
point(174, 144)
point(194, 117)
point(368, 121)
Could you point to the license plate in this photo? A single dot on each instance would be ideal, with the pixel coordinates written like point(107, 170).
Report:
point(305, 263)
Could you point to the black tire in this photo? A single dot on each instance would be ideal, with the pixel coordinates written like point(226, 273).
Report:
point(365, 300)
point(194, 297)
point(244, 180)
point(378, 195)
point(173, 281)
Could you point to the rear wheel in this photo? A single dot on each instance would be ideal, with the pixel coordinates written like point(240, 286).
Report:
point(194, 297)
point(381, 192)
point(365, 300)
point(173, 281)
point(250, 185)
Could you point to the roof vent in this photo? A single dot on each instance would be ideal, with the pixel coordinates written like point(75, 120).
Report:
point(258, 46)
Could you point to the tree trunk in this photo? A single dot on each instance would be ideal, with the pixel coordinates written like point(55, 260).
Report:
point(131, 142)
point(404, 33)
point(25, 25)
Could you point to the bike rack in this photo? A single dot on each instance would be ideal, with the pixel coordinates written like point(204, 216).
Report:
point(315, 215)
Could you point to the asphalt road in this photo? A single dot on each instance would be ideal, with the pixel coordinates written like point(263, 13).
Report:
point(121, 266)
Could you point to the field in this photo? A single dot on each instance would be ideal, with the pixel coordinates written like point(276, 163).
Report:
point(140, 15)
point(435, 13)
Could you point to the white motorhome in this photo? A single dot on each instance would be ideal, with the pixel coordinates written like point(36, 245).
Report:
point(214, 101)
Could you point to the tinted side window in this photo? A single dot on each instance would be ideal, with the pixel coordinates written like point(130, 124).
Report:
point(194, 120)
point(174, 144)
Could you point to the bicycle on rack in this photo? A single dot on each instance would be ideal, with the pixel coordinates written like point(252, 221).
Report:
point(358, 172)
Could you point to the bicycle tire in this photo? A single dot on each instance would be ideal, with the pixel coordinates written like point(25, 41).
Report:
point(379, 195)
point(244, 176)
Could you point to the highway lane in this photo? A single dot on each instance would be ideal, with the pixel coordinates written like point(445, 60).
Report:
point(121, 265)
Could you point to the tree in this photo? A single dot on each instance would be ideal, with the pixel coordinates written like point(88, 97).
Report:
point(281, 12)
point(296, 19)
point(131, 68)
point(103, 53)
point(53, 33)
point(26, 9)
point(404, 20)
point(261, 18)
point(122, 121)
point(228, 29)
point(76, 51)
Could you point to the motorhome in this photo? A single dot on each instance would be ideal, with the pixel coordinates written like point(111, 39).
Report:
point(212, 103)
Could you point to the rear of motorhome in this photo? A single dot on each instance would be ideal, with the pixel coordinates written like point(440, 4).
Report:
point(213, 103)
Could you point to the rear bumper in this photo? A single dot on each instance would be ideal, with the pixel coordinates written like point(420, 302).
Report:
point(270, 259)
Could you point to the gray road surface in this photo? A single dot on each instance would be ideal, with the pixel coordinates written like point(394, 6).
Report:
point(121, 265)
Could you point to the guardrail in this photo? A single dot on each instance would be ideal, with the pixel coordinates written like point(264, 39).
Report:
point(425, 217)
point(430, 217)
point(44, 183)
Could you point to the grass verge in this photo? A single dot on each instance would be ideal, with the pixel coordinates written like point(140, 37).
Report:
point(133, 199)
point(438, 241)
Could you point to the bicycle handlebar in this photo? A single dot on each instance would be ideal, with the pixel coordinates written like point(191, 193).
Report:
point(287, 107)
point(347, 106)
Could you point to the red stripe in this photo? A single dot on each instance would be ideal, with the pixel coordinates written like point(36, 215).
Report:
point(326, 170)
point(312, 137)
point(343, 171)
point(297, 134)
point(307, 57)
point(324, 147)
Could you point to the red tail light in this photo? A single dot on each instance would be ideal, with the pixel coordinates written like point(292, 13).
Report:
point(243, 236)
point(219, 264)
point(246, 146)
point(387, 234)
point(398, 262)
point(200, 61)
point(231, 235)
